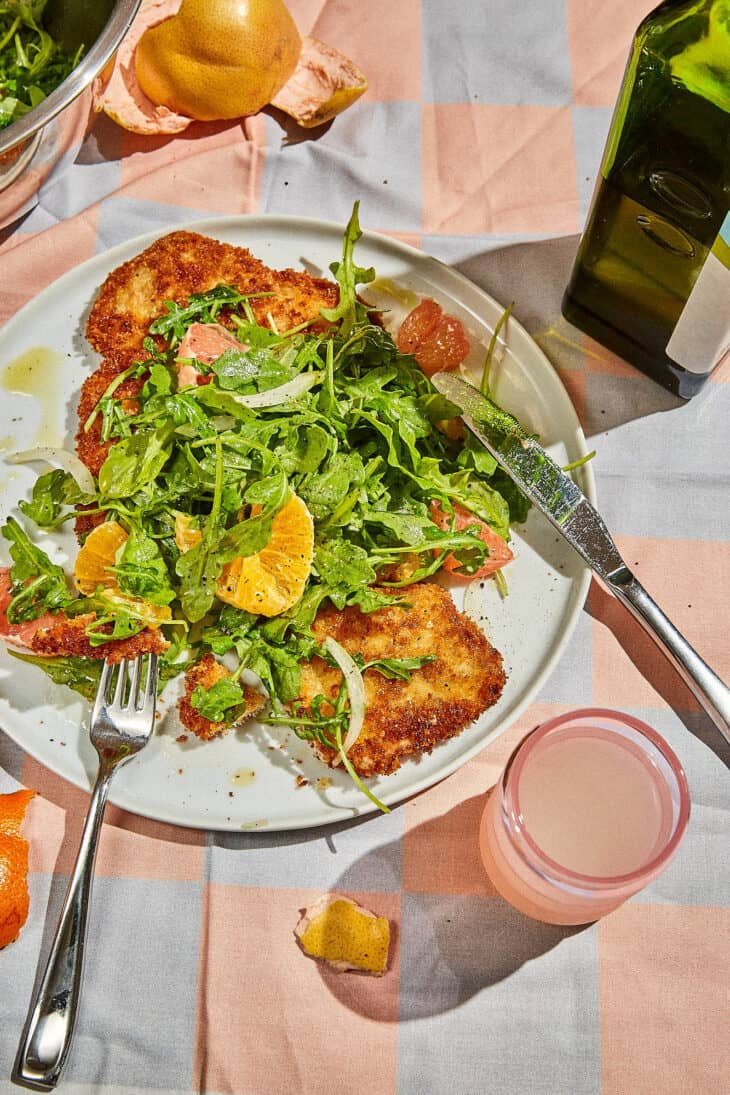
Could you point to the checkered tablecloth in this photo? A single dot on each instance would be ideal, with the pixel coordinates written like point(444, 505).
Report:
point(479, 141)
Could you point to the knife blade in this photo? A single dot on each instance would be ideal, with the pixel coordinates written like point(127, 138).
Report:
point(560, 499)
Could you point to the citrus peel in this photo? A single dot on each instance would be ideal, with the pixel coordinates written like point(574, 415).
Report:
point(14, 896)
point(184, 60)
point(218, 59)
point(345, 935)
point(323, 84)
point(117, 92)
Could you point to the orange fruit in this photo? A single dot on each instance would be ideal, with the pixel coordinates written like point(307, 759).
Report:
point(92, 569)
point(185, 536)
point(98, 554)
point(499, 550)
point(14, 897)
point(436, 339)
point(273, 579)
point(218, 58)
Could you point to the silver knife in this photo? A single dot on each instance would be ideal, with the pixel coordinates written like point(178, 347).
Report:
point(553, 492)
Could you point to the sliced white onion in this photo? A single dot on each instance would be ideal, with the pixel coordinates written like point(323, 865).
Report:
point(67, 461)
point(274, 396)
point(355, 690)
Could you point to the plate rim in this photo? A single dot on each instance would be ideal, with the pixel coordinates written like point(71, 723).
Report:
point(128, 249)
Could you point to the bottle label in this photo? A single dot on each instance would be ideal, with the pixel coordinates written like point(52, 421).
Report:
point(701, 337)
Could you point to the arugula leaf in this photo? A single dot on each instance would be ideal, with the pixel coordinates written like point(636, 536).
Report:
point(254, 370)
point(200, 308)
point(81, 674)
point(215, 702)
point(324, 491)
point(233, 625)
point(349, 276)
point(343, 567)
point(278, 667)
point(198, 569)
point(246, 538)
point(141, 570)
point(397, 669)
point(198, 572)
point(135, 462)
point(52, 494)
point(38, 584)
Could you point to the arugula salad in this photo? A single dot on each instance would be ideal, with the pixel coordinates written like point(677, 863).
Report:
point(339, 419)
point(32, 62)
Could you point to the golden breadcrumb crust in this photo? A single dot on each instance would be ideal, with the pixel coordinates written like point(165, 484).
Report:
point(173, 268)
point(66, 638)
point(441, 698)
point(206, 673)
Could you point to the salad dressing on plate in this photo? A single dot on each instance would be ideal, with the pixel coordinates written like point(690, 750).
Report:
point(36, 373)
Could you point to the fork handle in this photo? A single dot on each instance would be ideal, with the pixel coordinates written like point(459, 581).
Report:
point(48, 1031)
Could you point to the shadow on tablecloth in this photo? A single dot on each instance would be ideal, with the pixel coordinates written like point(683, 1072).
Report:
point(456, 946)
point(534, 276)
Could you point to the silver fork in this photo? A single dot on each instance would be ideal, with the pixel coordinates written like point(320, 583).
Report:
point(121, 724)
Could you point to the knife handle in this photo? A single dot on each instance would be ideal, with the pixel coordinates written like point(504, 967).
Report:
point(710, 692)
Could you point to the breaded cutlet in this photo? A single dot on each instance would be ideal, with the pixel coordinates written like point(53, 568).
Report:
point(183, 263)
point(441, 698)
point(205, 674)
point(173, 268)
point(65, 637)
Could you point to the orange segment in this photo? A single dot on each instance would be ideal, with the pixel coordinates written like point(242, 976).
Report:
point(273, 580)
point(14, 897)
point(97, 555)
point(185, 536)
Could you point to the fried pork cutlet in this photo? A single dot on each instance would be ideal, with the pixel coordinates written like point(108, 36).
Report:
point(183, 263)
point(66, 638)
point(441, 698)
point(206, 673)
point(173, 268)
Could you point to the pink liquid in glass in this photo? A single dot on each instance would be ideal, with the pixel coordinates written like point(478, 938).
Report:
point(590, 808)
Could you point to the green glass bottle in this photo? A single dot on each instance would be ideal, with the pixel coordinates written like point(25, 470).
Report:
point(652, 277)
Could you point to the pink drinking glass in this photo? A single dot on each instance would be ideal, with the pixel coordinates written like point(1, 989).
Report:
point(591, 807)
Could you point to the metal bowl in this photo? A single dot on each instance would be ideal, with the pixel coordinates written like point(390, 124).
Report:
point(32, 147)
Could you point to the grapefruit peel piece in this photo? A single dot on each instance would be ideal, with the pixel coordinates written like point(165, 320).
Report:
point(323, 84)
point(345, 935)
point(117, 92)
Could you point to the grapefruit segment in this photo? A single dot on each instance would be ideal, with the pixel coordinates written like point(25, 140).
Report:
point(436, 339)
point(499, 550)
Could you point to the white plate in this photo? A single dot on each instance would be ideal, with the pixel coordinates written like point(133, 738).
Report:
point(209, 785)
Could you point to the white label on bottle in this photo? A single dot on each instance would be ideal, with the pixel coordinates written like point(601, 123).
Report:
point(701, 337)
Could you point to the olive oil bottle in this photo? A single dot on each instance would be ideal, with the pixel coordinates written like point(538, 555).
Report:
point(651, 279)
